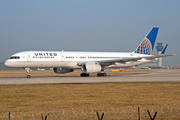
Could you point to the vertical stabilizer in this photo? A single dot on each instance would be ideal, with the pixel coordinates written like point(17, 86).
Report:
point(163, 51)
point(147, 45)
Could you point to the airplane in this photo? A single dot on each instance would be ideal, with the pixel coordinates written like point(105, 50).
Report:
point(178, 66)
point(89, 62)
point(163, 51)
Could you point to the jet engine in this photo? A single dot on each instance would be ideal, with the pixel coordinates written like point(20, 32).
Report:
point(62, 70)
point(91, 68)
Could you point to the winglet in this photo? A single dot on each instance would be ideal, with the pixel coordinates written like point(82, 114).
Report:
point(163, 51)
point(147, 45)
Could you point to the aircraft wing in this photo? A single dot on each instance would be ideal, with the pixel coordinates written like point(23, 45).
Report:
point(123, 61)
point(110, 62)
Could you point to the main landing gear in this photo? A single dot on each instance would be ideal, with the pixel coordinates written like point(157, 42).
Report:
point(101, 74)
point(87, 75)
point(84, 75)
point(27, 72)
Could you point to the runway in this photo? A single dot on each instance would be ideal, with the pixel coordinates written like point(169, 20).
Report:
point(156, 76)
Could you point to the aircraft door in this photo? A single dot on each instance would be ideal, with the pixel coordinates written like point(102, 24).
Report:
point(28, 56)
point(62, 57)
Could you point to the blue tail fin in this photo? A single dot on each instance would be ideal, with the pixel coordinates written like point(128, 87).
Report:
point(147, 45)
point(163, 51)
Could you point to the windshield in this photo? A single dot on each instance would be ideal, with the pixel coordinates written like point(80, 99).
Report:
point(15, 57)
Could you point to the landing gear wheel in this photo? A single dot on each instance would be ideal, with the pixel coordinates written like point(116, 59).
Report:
point(84, 75)
point(27, 72)
point(28, 76)
point(101, 74)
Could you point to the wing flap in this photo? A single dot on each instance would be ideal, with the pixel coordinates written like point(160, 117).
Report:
point(123, 61)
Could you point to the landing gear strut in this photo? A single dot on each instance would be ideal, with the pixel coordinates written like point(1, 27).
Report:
point(84, 75)
point(27, 72)
point(101, 74)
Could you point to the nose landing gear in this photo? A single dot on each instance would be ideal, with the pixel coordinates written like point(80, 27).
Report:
point(28, 76)
point(27, 72)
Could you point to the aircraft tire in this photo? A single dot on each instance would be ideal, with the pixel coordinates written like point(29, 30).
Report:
point(28, 76)
point(84, 75)
point(101, 74)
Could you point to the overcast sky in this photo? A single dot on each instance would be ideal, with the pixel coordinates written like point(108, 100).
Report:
point(87, 25)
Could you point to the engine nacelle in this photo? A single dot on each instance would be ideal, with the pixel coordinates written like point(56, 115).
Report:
point(91, 68)
point(62, 70)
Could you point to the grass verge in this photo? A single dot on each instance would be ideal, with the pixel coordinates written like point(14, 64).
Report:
point(95, 94)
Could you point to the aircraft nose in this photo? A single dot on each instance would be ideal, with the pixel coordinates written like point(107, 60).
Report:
point(7, 63)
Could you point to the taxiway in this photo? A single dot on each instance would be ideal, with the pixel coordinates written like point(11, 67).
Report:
point(156, 76)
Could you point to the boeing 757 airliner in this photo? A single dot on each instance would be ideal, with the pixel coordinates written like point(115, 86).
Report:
point(88, 62)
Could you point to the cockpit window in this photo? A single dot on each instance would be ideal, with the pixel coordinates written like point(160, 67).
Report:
point(15, 57)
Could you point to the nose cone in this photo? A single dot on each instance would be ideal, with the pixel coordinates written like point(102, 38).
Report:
point(7, 63)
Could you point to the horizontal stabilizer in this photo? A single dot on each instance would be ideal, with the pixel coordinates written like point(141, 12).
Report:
point(159, 56)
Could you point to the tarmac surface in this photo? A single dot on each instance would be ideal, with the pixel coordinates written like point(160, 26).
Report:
point(157, 76)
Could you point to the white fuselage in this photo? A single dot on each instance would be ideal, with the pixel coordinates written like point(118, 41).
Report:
point(57, 59)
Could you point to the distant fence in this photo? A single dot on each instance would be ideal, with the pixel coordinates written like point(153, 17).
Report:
point(90, 113)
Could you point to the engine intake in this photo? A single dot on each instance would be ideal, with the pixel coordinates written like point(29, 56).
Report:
point(91, 68)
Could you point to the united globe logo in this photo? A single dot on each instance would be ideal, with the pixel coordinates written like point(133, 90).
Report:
point(145, 47)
